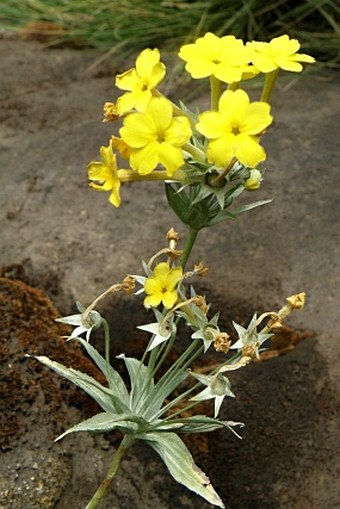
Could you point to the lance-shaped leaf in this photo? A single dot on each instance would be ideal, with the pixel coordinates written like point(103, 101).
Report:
point(194, 424)
point(103, 422)
point(163, 388)
point(102, 395)
point(116, 383)
point(226, 214)
point(181, 465)
point(141, 382)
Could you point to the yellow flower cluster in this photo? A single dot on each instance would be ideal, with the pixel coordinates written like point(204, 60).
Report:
point(158, 138)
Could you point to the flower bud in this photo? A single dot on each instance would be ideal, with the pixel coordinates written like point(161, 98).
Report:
point(254, 181)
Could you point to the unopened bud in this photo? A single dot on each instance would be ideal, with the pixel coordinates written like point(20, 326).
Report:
point(254, 181)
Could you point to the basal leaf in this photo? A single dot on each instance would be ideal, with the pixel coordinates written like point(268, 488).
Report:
point(116, 384)
point(102, 395)
point(141, 384)
point(102, 423)
point(181, 465)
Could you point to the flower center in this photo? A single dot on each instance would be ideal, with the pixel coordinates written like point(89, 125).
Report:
point(160, 136)
point(235, 130)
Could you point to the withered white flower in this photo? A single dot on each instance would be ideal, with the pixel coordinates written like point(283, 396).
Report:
point(88, 324)
point(217, 388)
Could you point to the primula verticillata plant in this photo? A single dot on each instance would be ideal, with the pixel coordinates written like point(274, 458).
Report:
point(206, 160)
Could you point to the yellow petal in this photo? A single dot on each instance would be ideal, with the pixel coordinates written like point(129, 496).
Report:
point(149, 68)
point(138, 130)
point(264, 63)
point(170, 157)
point(256, 118)
point(212, 124)
point(221, 150)
point(153, 300)
point(108, 156)
point(128, 80)
point(202, 55)
point(284, 46)
point(169, 299)
point(160, 110)
point(233, 103)
point(302, 57)
point(115, 195)
point(152, 286)
point(178, 132)
point(248, 151)
point(174, 277)
point(97, 171)
point(139, 99)
point(161, 270)
point(146, 159)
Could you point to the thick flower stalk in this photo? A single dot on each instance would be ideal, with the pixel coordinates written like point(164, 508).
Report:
point(140, 81)
point(234, 130)
point(156, 137)
point(161, 286)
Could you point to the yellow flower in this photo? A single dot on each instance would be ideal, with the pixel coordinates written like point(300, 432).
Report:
point(161, 287)
point(106, 174)
point(226, 58)
point(140, 81)
point(234, 130)
point(280, 52)
point(155, 137)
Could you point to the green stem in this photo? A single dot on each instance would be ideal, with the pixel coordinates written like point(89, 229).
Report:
point(107, 341)
point(195, 152)
point(268, 85)
point(216, 91)
point(125, 444)
point(189, 243)
point(169, 345)
point(183, 362)
point(176, 401)
point(235, 85)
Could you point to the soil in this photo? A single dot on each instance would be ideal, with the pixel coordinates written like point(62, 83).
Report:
point(62, 242)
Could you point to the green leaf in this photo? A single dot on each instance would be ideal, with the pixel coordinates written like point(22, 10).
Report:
point(102, 395)
point(141, 383)
point(161, 391)
point(103, 422)
point(194, 424)
point(181, 465)
point(178, 201)
point(116, 384)
point(250, 206)
point(221, 216)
